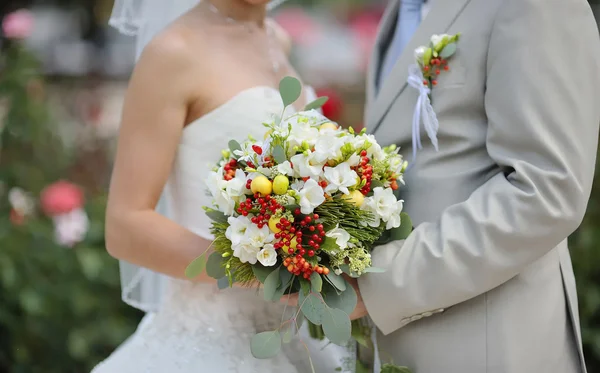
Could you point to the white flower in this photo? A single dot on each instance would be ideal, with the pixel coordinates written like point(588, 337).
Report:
point(384, 206)
point(340, 236)
point(328, 147)
point(307, 165)
point(419, 53)
point(226, 193)
point(302, 131)
point(237, 229)
point(267, 256)
point(236, 186)
point(257, 237)
point(374, 150)
point(311, 196)
point(396, 164)
point(21, 201)
point(246, 253)
point(297, 185)
point(340, 178)
point(436, 39)
point(354, 160)
point(267, 171)
point(285, 168)
point(71, 228)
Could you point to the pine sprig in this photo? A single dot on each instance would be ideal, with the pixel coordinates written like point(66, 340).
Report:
point(351, 218)
point(241, 272)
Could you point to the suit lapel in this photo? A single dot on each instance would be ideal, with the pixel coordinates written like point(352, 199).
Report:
point(441, 16)
point(388, 21)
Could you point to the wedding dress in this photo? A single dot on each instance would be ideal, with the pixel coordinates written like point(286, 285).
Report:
point(199, 328)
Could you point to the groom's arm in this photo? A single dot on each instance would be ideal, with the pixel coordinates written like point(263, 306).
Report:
point(542, 100)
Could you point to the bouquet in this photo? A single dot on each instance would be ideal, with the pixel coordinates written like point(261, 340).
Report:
point(297, 211)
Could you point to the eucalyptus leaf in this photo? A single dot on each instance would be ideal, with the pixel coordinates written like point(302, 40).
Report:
point(448, 51)
point(223, 283)
point(391, 368)
point(290, 90)
point(376, 184)
point(312, 306)
point(266, 345)
point(337, 281)
point(288, 330)
point(304, 286)
point(337, 326)
point(316, 104)
point(271, 284)
point(214, 266)
point(404, 230)
point(196, 267)
point(345, 301)
point(374, 270)
point(285, 278)
point(261, 272)
point(279, 154)
point(216, 216)
point(233, 146)
point(316, 282)
point(291, 208)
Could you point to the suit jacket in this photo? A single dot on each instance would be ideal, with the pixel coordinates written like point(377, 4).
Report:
point(484, 283)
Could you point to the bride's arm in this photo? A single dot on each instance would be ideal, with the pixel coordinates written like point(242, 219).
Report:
point(154, 114)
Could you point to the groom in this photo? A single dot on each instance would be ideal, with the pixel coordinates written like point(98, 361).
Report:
point(484, 283)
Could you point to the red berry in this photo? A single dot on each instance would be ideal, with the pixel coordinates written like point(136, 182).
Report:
point(446, 68)
point(297, 212)
point(316, 216)
point(311, 253)
point(257, 149)
point(311, 228)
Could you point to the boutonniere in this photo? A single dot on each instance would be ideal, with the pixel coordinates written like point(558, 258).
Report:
point(430, 62)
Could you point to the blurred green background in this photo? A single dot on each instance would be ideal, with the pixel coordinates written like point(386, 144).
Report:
point(60, 307)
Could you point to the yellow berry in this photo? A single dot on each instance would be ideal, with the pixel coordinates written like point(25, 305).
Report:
point(355, 197)
point(328, 126)
point(261, 185)
point(281, 184)
point(273, 224)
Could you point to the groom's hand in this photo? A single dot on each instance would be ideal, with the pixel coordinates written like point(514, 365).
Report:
point(359, 311)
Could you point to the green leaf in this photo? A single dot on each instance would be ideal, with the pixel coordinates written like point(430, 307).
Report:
point(223, 283)
point(266, 345)
point(316, 282)
point(196, 267)
point(216, 216)
point(285, 278)
point(279, 154)
point(345, 301)
point(329, 245)
point(316, 104)
point(448, 51)
point(305, 286)
point(337, 281)
point(214, 266)
point(376, 184)
point(290, 90)
point(405, 228)
point(391, 368)
point(288, 330)
point(313, 307)
point(233, 146)
point(337, 326)
point(271, 284)
point(374, 270)
point(261, 272)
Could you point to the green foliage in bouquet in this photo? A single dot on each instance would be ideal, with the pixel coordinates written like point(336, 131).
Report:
point(60, 308)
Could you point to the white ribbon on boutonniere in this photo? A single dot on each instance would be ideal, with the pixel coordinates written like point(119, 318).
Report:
point(430, 62)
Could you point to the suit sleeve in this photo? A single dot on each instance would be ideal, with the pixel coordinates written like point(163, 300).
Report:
point(542, 102)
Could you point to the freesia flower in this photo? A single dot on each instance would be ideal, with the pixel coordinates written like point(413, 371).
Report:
point(307, 165)
point(340, 177)
point(384, 206)
point(328, 147)
point(246, 253)
point(311, 196)
point(267, 256)
point(257, 237)
point(237, 229)
point(340, 236)
point(285, 168)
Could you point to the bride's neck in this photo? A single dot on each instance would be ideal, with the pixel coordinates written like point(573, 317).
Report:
point(239, 10)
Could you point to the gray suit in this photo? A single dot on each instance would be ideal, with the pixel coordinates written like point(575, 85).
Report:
point(484, 283)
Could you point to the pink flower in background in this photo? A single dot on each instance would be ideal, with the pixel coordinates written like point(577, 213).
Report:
point(18, 25)
point(60, 198)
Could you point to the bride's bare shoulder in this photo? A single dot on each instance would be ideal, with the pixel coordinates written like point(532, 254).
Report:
point(285, 40)
point(174, 47)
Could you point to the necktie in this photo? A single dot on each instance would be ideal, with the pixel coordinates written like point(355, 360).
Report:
point(409, 18)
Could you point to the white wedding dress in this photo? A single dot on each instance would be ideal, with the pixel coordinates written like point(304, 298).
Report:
point(199, 328)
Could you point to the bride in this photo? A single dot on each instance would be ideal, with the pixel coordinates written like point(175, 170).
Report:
point(206, 74)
